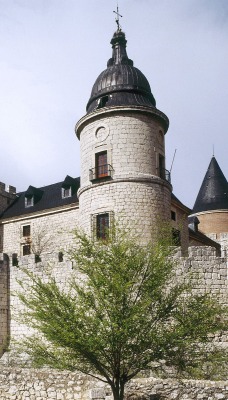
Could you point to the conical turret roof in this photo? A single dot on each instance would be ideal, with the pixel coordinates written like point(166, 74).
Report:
point(121, 84)
point(213, 194)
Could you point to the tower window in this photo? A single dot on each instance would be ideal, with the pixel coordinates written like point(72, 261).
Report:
point(102, 226)
point(102, 168)
point(161, 166)
point(102, 102)
point(101, 164)
point(173, 215)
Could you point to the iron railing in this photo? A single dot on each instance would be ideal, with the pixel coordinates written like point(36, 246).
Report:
point(165, 174)
point(101, 172)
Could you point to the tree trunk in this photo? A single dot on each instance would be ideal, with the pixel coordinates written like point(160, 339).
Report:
point(118, 391)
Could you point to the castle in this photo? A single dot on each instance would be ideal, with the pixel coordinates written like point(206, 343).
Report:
point(123, 176)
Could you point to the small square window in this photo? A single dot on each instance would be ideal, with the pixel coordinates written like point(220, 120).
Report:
point(60, 256)
point(66, 192)
point(29, 201)
point(26, 249)
point(173, 215)
point(14, 260)
point(26, 230)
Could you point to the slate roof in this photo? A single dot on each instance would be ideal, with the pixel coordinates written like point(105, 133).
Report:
point(48, 197)
point(213, 194)
point(121, 83)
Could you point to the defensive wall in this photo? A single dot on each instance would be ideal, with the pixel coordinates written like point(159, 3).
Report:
point(209, 273)
point(29, 384)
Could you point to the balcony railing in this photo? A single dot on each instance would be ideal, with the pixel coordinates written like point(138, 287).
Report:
point(165, 174)
point(101, 172)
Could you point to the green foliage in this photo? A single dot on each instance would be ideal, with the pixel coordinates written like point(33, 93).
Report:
point(124, 309)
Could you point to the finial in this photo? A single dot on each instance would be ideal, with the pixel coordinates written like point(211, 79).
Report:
point(213, 150)
point(118, 15)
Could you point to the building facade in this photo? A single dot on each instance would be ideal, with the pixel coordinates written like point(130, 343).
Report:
point(123, 178)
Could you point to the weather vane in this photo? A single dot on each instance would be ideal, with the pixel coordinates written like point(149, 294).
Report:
point(118, 15)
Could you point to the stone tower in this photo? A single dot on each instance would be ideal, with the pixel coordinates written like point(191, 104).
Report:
point(123, 171)
point(211, 205)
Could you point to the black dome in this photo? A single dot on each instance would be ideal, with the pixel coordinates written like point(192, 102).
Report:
point(121, 83)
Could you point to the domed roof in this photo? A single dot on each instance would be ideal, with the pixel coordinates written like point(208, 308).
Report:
point(121, 83)
point(213, 194)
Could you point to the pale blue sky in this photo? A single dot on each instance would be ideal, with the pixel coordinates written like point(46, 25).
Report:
point(53, 50)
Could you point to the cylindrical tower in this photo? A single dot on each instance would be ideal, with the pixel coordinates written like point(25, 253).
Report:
point(123, 173)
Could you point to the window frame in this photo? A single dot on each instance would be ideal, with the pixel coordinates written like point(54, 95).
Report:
point(24, 247)
point(29, 201)
point(173, 215)
point(94, 224)
point(102, 226)
point(64, 192)
point(101, 165)
point(26, 230)
point(161, 165)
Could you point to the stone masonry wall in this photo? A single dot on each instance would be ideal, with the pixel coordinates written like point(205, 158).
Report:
point(62, 271)
point(133, 142)
point(210, 271)
point(213, 222)
point(7, 194)
point(136, 205)
point(135, 193)
point(29, 384)
point(50, 232)
point(22, 384)
point(4, 303)
point(209, 275)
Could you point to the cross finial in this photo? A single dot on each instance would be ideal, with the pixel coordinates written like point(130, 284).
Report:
point(118, 15)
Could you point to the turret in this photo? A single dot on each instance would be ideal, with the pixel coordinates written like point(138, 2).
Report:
point(211, 205)
point(123, 151)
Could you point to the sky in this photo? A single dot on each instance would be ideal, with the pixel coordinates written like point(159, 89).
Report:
point(52, 52)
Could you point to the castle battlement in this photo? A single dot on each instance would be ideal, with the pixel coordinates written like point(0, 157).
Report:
point(7, 195)
point(7, 189)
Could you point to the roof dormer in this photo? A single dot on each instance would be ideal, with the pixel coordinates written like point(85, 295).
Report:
point(32, 196)
point(69, 187)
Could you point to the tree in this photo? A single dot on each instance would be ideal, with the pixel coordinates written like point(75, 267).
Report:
point(124, 310)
